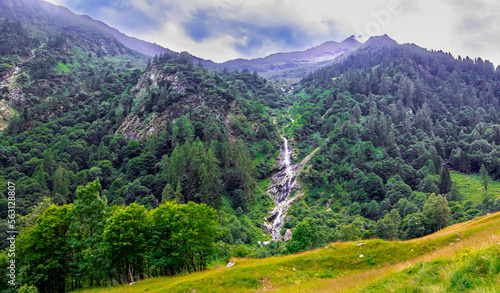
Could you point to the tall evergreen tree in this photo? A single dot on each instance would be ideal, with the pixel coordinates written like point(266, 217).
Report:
point(485, 179)
point(445, 181)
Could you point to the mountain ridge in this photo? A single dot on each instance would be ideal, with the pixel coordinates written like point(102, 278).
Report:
point(48, 12)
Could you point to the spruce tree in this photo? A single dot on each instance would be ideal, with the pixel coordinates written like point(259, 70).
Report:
point(178, 195)
point(445, 182)
point(485, 179)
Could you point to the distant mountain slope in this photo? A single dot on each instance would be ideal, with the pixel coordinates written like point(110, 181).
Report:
point(293, 65)
point(46, 15)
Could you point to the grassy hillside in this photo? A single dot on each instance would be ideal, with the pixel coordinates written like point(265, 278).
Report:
point(470, 271)
point(341, 266)
point(471, 187)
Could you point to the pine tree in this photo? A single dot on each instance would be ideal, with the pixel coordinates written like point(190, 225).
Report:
point(485, 179)
point(49, 164)
point(61, 183)
point(244, 167)
point(210, 180)
point(41, 177)
point(173, 167)
point(178, 195)
point(166, 194)
point(445, 182)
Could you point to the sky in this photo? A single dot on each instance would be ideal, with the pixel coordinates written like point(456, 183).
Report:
point(222, 30)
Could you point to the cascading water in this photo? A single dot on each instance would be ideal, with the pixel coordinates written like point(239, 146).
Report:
point(280, 190)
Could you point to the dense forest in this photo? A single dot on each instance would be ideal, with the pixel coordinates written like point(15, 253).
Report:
point(127, 167)
point(385, 156)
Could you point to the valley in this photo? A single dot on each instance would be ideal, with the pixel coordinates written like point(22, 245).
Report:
point(347, 166)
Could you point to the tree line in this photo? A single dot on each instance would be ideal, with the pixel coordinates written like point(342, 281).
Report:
point(87, 243)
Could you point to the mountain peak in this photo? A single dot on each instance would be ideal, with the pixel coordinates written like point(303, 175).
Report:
point(351, 40)
point(381, 40)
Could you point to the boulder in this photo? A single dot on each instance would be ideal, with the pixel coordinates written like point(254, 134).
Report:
point(288, 235)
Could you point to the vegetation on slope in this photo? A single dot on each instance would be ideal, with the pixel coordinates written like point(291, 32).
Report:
point(338, 267)
point(476, 270)
point(384, 152)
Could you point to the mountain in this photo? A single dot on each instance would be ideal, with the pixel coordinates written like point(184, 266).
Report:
point(293, 65)
point(127, 167)
point(43, 15)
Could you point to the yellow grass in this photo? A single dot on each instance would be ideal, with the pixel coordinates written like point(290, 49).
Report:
point(305, 272)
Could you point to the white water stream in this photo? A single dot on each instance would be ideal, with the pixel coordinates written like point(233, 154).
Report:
point(280, 189)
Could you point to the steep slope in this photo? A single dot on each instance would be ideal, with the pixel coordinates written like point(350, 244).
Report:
point(338, 267)
point(392, 121)
point(44, 15)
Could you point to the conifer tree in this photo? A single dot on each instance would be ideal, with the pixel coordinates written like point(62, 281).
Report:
point(485, 179)
point(166, 194)
point(178, 195)
point(61, 184)
point(445, 182)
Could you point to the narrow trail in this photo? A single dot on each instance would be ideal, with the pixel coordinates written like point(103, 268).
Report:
point(9, 79)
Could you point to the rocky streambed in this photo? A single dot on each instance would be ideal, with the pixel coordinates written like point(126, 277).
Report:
point(281, 186)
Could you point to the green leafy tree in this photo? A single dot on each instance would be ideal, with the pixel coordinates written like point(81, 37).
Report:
point(347, 233)
point(374, 187)
point(437, 212)
point(183, 236)
point(388, 226)
point(88, 219)
point(46, 251)
point(413, 226)
point(307, 235)
point(125, 239)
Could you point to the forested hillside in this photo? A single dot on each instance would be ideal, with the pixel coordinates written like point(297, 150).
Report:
point(391, 122)
point(127, 167)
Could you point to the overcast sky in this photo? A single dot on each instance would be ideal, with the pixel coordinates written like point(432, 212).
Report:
point(221, 30)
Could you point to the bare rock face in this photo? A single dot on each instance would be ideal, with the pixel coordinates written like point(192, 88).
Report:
point(6, 114)
point(142, 123)
point(268, 228)
point(288, 235)
point(328, 204)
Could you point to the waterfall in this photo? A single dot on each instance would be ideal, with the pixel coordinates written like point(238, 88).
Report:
point(281, 185)
point(280, 189)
